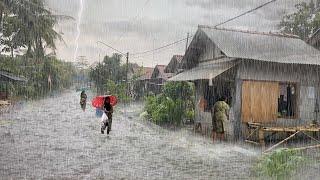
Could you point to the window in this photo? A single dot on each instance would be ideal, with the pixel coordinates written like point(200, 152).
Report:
point(287, 100)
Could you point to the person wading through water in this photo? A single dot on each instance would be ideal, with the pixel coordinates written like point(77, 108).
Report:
point(107, 116)
point(83, 100)
point(220, 114)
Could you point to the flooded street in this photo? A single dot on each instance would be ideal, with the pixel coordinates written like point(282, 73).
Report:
point(54, 138)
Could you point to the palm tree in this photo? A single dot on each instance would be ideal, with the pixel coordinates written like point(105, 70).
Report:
point(34, 25)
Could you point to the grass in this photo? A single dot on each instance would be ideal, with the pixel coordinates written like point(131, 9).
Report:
point(280, 164)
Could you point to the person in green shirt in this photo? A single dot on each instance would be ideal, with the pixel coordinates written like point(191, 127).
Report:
point(220, 114)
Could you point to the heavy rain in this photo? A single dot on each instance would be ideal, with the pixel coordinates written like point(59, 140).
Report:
point(150, 89)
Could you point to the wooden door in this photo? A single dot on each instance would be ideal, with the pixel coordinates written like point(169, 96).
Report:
point(259, 101)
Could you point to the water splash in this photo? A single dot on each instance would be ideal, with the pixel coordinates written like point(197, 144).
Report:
point(78, 30)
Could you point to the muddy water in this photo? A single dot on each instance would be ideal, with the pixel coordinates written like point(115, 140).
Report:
point(54, 138)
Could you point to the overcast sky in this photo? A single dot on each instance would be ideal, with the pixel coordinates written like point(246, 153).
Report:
point(139, 25)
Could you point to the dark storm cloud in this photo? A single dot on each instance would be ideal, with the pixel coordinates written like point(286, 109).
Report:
point(133, 25)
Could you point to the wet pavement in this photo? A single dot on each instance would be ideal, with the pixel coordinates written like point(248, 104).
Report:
point(54, 139)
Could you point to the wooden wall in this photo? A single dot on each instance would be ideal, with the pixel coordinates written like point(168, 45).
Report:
point(259, 101)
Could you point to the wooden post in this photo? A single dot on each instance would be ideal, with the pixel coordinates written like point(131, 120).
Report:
point(261, 138)
point(276, 145)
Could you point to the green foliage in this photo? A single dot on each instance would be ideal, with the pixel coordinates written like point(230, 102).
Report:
point(109, 69)
point(172, 105)
point(177, 90)
point(190, 114)
point(37, 72)
point(280, 164)
point(304, 22)
point(27, 23)
point(117, 89)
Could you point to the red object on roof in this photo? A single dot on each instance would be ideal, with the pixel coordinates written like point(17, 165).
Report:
point(98, 101)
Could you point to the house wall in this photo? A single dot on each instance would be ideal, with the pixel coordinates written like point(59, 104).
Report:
point(305, 76)
point(211, 51)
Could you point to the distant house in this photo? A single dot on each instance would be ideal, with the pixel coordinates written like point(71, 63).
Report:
point(270, 79)
point(174, 65)
point(5, 79)
point(158, 78)
point(141, 87)
point(133, 71)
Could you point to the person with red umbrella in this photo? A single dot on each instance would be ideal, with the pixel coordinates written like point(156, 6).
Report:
point(105, 103)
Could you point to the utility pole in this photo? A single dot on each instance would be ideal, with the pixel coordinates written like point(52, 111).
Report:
point(127, 69)
point(187, 42)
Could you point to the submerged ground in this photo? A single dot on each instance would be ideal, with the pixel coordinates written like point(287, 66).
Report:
point(54, 138)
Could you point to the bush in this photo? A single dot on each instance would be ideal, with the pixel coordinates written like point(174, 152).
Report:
point(118, 89)
point(37, 72)
point(172, 105)
point(280, 163)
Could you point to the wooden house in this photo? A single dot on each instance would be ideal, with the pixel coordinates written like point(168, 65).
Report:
point(269, 79)
point(158, 78)
point(174, 65)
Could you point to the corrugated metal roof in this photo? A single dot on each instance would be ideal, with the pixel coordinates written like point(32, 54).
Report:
point(264, 47)
point(208, 71)
point(12, 76)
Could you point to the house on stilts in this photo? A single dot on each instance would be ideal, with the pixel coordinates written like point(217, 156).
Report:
point(270, 80)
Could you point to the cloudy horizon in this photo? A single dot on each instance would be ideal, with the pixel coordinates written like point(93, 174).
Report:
point(139, 25)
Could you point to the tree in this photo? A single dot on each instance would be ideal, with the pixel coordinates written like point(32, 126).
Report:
point(33, 26)
point(110, 69)
point(304, 22)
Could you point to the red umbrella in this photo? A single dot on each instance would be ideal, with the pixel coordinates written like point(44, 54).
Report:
point(98, 101)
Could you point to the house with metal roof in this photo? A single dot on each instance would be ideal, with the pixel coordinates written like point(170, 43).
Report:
point(158, 78)
point(269, 79)
point(5, 79)
point(141, 87)
point(174, 65)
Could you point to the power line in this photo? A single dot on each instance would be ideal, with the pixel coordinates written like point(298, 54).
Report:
point(176, 42)
point(159, 50)
point(181, 40)
point(231, 19)
point(111, 47)
point(247, 12)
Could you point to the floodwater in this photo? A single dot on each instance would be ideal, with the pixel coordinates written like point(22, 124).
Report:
point(54, 139)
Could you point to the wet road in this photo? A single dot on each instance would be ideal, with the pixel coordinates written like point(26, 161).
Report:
point(54, 139)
